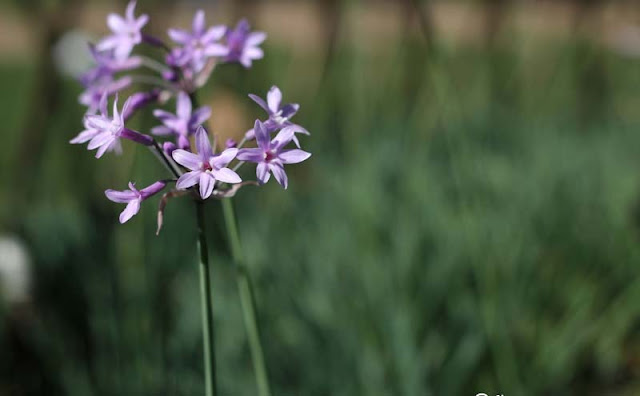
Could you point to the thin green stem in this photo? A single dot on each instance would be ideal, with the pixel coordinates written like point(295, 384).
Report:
point(206, 305)
point(247, 300)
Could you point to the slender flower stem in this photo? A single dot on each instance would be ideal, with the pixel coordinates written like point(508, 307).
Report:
point(206, 305)
point(165, 160)
point(247, 300)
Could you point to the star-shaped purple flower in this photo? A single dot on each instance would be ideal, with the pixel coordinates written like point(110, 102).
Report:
point(270, 154)
point(198, 45)
point(105, 85)
point(184, 123)
point(133, 197)
point(126, 32)
point(205, 167)
point(243, 44)
point(107, 65)
point(104, 132)
point(279, 115)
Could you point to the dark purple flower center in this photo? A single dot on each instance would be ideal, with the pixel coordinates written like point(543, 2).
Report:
point(269, 156)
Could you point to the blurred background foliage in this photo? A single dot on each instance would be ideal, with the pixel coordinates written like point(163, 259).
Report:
point(469, 220)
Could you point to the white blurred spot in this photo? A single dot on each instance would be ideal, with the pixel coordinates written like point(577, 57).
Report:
point(626, 41)
point(15, 276)
point(71, 54)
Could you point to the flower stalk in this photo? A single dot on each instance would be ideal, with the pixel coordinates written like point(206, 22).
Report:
point(247, 300)
point(206, 304)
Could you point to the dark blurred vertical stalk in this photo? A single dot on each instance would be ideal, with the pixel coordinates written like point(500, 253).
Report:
point(332, 15)
point(590, 69)
point(206, 304)
point(247, 300)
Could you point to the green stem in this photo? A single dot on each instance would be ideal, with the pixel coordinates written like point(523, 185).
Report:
point(247, 300)
point(206, 305)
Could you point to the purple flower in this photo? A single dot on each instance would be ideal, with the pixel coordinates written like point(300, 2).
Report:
point(198, 45)
point(133, 197)
point(126, 32)
point(107, 65)
point(105, 85)
point(279, 116)
point(243, 44)
point(205, 167)
point(104, 132)
point(184, 123)
point(270, 156)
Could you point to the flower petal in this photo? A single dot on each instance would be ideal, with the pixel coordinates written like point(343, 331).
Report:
point(226, 175)
point(251, 155)
point(131, 210)
point(84, 136)
point(279, 174)
point(198, 23)
point(188, 160)
point(274, 97)
point(215, 49)
point(152, 189)
point(179, 36)
point(188, 179)
point(207, 182)
point(262, 172)
point(161, 130)
point(220, 161)
point(116, 23)
point(255, 38)
point(100, 139)
point(183, 106)
point(200, 115)
point(203, 145)
point(262, 135)
point(214, 33)
point(293, 156)
point(120, 196)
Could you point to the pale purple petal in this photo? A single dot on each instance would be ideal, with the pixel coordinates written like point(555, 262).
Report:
point(255, 38)
point(116, 23)
point(108, 43)
point(141, 21)
point(226, 175)
point(125, 108)
point(274, 97)
point(251, 155)
point(96, 122)
point(183, 106)
point(198, 23)
point(188, 179)
point(262, 172)
point(289, 110)
point(293, 156)
point(279, 174)
point(282, 138)
point(131, 8)
point(262, 135)
point(124, 48)
point(100, 139)
point(152, 189)
point(260, 102)
point(200, 115)
point(114, 144)
point(179, 36)
point(220, 161)
point(121, 196)
point(203, 145)
point(215, 49)
point(84, 136)
point(207, 182)
point(188, 160)
point(163, 115)
point(131, 210)
point(214, 33)
point(161, 130)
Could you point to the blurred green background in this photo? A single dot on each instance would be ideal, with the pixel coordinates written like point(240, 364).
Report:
point(469, 221)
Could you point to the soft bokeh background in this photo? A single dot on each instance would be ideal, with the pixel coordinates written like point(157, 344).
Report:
point(469, 221)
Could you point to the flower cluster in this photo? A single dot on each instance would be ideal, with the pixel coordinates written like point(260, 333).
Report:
point(196, 167)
